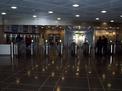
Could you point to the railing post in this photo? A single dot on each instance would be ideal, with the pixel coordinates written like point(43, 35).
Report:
point(12, 50)
point(32, 49)
point(46, 48)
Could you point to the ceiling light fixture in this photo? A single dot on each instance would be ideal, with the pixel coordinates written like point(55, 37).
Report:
point(3, 13)
point(103, 11)
point(59, 19)
point(111, 20)
point(75, 5)
point(34, 16)
point(50, 12)
point(13, 7)
point(77, 15)
point(97, 19)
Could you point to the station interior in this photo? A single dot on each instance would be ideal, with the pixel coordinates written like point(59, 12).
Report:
point(60, 45)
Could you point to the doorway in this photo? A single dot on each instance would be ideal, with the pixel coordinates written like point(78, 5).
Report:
point(54, 38)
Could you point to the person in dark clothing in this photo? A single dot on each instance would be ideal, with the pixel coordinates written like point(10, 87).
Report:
point(104, 45)
point(18, 39)
point(28, 41)
point(58, 46)
point(19, 44)
point(99, 46)
point(85, 48)
point(8, 39)
point(28, 45)
point(73, 44)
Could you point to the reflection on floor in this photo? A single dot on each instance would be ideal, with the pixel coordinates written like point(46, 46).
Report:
point(61, 73)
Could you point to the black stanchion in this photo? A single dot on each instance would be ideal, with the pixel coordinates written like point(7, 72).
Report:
point(61, 48)
point(76, 50)
point(31, 49)
point(46, 48)
point(12, 50)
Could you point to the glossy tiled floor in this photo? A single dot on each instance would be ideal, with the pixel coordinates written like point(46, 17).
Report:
point(65, 73)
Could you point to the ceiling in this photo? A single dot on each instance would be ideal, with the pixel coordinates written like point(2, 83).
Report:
point(88, 9)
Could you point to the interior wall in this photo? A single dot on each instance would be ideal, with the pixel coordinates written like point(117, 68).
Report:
point(68, 37)
point(119, 33)
point(33, 21)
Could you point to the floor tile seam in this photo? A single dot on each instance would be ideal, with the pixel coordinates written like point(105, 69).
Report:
point(70, 87)
point(87, 79)
point(73, 87)
point(88, 83)
point(43, 84)
point(20, 84)
point(13, 89)
point(14, 74)
point(60, 76)
point(99, 77)
point(61, 87)
point(100, 81)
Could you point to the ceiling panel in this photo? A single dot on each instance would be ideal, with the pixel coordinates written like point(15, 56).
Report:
point(88, 9)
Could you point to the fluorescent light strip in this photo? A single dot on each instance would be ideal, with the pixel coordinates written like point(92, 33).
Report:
point(3, 13)
point(13, 7)
point(34, 16)
point(59, 19)
point(75, 5)
point(103, 11)
point(77, 15)
point(97, 18)
point(50, 12)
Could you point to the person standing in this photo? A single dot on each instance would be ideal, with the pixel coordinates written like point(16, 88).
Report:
point(73, 44)
point(85, 48)
point(104, 45)
point(99, 46)
point(28, 45)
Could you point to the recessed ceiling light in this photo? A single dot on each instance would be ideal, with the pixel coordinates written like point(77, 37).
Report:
point(111, 20)
point(103, 11)
point(50, 12)
point(13, 7)
point(77, 15)
point(3, 13)
point(59, 19)
point(75, 5)
point(34, 16)
point(120, 15)
point(97, 18)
